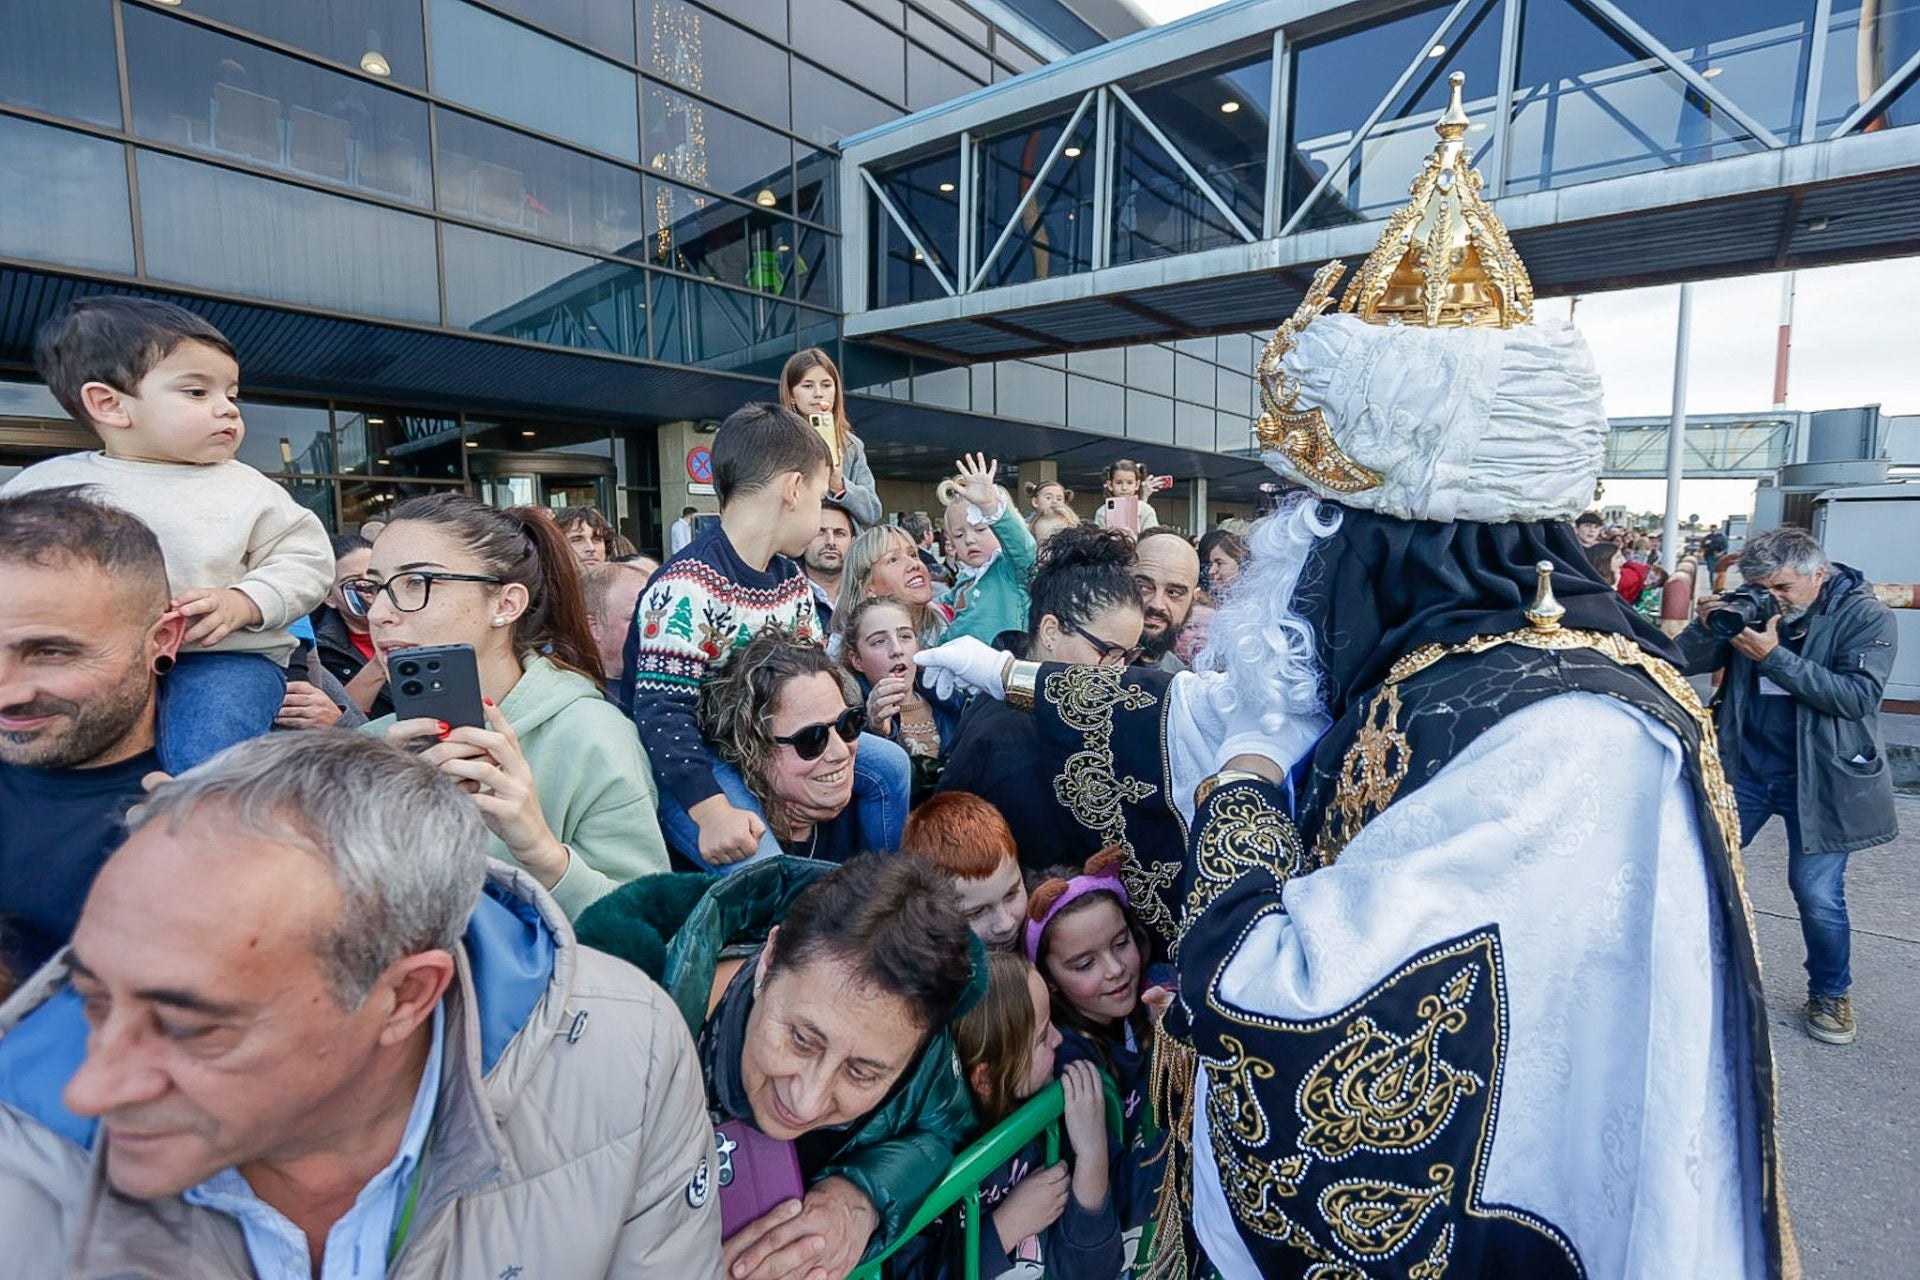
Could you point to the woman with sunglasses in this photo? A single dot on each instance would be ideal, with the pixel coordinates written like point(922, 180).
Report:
point(789, 719)
point(558, 774)
point(1083, 608)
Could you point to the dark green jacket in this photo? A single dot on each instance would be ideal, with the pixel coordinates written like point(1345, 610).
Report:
point(675, 927)
point(1844, 789)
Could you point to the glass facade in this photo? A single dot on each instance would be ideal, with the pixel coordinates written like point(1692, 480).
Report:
point(650, 180)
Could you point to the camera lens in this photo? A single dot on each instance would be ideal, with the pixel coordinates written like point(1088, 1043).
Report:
point(413, 688)
point(407, 667)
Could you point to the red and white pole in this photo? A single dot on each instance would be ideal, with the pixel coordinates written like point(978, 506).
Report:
point(1783, 343)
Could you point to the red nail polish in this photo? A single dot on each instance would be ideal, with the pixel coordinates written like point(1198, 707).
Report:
point(488, 701)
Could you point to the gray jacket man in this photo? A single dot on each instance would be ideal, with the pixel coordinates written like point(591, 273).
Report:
point(303, 1016)
point(1798, 718)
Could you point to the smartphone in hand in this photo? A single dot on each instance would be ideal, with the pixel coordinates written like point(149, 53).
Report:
point(1123, 513)
point(829, 432)
point(437, 682)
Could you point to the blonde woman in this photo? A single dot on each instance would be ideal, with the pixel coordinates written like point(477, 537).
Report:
point(884, 561)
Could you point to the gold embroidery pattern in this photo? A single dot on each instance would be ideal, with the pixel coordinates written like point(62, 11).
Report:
point(1243, 833)
point(1086, 698)
point(1373, 1219)
point(1437, 1258)
point(1386, 1094)
point(1370, 775)
point(1376, 1091)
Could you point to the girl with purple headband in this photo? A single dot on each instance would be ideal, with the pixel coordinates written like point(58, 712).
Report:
point(1086, 941)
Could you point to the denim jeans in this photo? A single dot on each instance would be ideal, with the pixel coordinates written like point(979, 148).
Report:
point(882, 781)
point(1818, 881)
point(209, 701)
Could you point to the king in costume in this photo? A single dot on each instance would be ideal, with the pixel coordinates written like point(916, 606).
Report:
point(1453, 1001)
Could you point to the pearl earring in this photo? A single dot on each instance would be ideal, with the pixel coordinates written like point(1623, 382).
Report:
point(499, 621)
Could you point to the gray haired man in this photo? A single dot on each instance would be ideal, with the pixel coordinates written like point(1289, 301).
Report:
point(1807, 649)
point(306, 1028)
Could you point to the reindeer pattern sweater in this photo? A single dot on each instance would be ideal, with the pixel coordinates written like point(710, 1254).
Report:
point(703, 604)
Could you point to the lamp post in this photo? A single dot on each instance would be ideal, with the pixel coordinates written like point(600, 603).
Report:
point(1676, 435)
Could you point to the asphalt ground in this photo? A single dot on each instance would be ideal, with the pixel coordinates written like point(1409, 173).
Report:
point(1850, 1116)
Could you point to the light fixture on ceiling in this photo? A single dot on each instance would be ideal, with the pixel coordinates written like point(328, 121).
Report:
point(946, 186)
point(766, 199)
point(918, 256)
point(1438, 51)
point(374, 63)
point(1229, 106)
point(1071, 153)
point(383, 462)
point(374, 420)
point(528, 434)
point(473, 444)
point(1710, 72)
point(783, 248)
point(346, 468)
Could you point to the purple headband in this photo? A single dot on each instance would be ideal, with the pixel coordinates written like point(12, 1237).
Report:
point(1078, 887)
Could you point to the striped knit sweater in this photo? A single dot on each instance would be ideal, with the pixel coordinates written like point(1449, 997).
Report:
point(703, 604)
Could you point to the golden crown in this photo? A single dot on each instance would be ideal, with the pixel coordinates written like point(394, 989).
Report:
point(1443, 261)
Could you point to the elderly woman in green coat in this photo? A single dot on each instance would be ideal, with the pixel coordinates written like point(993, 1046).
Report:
point(820, 999)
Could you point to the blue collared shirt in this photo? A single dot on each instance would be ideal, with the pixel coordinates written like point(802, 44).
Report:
point(357, 1245)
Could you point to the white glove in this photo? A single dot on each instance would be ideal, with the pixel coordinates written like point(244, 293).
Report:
point(965, 665)
point(1293, 737)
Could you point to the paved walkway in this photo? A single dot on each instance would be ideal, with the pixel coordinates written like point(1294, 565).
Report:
point(1850, 1117)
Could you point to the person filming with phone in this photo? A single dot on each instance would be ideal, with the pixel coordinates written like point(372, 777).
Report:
point(557, 772)
point(1807, 649)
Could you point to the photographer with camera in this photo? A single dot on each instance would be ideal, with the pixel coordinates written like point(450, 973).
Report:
point(1807, 649)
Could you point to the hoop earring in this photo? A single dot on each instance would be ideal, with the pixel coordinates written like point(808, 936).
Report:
point(162, 664)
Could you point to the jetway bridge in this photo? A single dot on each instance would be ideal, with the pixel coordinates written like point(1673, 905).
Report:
point(1187, 180)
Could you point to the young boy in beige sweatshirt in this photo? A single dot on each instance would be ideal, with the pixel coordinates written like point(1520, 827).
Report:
point(160, 386)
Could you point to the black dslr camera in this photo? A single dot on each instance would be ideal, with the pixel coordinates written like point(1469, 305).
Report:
point(1745, 608)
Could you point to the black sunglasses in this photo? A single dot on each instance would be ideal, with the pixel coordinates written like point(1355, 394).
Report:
point(809, 742)
point(1110, 653)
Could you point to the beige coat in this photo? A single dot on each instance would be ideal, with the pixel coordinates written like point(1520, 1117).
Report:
point(581, 1154)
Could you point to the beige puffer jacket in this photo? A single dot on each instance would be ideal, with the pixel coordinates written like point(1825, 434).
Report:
point(580, 1153)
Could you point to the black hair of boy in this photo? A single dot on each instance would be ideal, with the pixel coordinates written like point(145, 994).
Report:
point(117, 340)
point(759, 442)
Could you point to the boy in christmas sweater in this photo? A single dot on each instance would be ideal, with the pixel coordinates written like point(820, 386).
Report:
point(770, 472)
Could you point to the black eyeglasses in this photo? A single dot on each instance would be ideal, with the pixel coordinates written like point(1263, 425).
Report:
point(409, 592)
point(809, 742)
point(1111, 654)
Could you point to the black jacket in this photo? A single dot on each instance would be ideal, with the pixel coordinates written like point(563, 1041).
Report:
point(1837, 679)
point(334, 643)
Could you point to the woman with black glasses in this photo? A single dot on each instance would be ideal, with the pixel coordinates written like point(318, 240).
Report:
point(558, 774)
point(1083, 608)
point(789, 719)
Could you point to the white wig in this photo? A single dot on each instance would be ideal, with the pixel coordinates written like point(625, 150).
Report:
point(1258, 639)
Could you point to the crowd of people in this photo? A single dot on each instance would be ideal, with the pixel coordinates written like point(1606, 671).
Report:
point(741, 892)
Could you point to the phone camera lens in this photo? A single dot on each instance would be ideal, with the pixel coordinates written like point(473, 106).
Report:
point(413, 688)
point(409, 668)
point(433, 666)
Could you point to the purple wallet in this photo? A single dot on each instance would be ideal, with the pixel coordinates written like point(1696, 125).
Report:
point(756, 1173)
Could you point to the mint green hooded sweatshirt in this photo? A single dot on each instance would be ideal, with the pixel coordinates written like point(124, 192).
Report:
point(594, 779)
point(994, 599)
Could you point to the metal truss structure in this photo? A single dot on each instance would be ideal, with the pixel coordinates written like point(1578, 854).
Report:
point(1722, 192)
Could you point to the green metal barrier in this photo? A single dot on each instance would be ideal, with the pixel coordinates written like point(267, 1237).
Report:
point(961, 1183)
